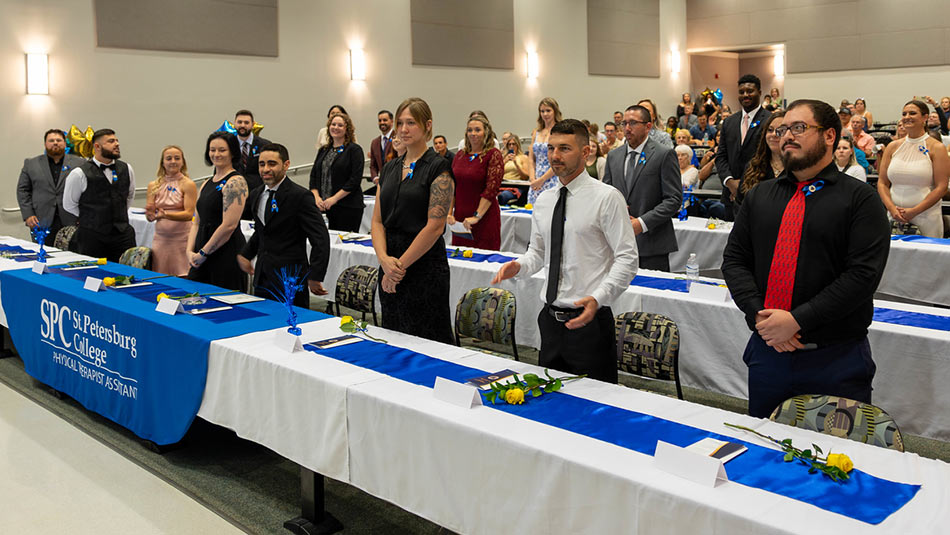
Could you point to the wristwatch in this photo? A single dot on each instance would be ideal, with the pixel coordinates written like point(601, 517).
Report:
point(475, 215)
point(203, 253)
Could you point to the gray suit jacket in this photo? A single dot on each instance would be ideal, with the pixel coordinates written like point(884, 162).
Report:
point(37, 193)
point(654, 196)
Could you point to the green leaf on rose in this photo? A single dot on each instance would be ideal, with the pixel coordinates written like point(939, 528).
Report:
point(789, 457)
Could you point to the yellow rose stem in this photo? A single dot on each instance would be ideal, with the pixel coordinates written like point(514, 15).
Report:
point(786, 446)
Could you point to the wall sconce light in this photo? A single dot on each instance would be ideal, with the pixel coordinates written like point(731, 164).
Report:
point(778, 64)
point(37, 74)
point(531, 65)
point(674, 61)
point(357, 64)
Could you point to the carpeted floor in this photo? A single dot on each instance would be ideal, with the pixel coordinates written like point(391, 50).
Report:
point(257, 490)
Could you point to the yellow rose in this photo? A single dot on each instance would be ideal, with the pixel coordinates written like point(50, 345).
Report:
point(467, 254)
point(515, 396)
point(711, 226)
point(841, 461)
point(109, 281)
point(161, 296)
point(528, 206)
point(346, 319)
point(101, 261)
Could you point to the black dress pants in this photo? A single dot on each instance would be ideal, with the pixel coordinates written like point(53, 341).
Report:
point(591, 349)
point(110, 246)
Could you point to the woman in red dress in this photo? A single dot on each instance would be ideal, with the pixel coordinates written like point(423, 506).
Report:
point(478, 175)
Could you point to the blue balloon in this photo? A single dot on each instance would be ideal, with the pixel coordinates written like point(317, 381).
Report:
point(226, 126)
point(718, 94)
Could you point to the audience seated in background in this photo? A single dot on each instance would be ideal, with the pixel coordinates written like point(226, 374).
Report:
point(861, 110)
point(844, 114)
point(671, 127)
point(689, 175)
point(844, 159)
point(707, 167)
point(681, 107)
point(862, 139)
point(612, 137)
point(595, 161)
point(682, 137)
point(439, 144)
point(688, 119)
point(703, 131)
point(657, 133)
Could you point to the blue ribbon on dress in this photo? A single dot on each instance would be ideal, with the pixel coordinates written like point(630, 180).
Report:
point(883, 315)
point(863, 497)
point(920, 239)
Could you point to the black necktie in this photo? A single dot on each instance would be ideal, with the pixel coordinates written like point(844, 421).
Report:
point(269, 207)
point(557, 237)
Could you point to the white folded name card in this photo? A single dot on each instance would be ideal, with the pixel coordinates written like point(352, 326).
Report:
point(709, 292)
point(39, 267)
point(286, 341)
point(168, 306)
point(690, 465)
point(93, 284)
point(465, 396)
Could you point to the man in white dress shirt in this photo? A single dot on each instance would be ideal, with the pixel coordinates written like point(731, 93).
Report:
point(581, 234)
point(99, 193)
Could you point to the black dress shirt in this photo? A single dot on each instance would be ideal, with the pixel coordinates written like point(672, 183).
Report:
point(404, 203)
point(55, 168)
point(844, 244)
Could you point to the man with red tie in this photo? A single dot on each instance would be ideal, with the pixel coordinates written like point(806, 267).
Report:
point(803, 261)
point(377, 147)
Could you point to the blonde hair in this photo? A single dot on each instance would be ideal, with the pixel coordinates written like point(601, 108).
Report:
point(349, 136)
point(489, 134)
point(551, 103)
point(419, 110)
point(517, 143)
point(161, 161)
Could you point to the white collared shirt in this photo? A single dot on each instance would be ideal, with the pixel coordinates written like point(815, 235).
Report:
point(626, 162)
point(76, 184)
point(262, 207)
point(599, 250)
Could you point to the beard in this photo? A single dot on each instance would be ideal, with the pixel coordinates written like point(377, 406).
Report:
point(243, 131)
point(56, 153)
point(810, 158)
point(111, 155)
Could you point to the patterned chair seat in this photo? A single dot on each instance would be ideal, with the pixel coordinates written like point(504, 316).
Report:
point(841, 417)
point(356, 289)
point(648, 345)
point(140, 257)
point(487, 314)
point(65, 238)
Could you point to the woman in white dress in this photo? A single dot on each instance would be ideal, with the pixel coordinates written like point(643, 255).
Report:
point(913, 174)
point(846, 162)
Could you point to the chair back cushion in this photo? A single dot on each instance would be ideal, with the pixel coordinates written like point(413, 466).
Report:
point(140, 257)
point(647, 345)
point(487, 314)
point(356, 288)
point(841, 417)
point(64, 238)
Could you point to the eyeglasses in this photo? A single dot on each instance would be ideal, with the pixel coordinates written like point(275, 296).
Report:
point(797, 129)
point(631, 124)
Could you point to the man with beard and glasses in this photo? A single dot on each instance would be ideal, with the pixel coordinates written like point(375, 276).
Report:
point(803, 261)
point(250, 150)
point(738, 140)
point(285, 219)
point(581, 234)
point(99, 192)
point(39, 191)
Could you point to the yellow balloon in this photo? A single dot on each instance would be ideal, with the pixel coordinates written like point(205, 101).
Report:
point(256, 129)
point(81, 141)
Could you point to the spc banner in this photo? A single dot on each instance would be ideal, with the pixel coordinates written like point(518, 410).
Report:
point(111, 351)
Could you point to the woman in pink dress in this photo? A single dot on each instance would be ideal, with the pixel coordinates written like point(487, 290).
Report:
point(171, 204)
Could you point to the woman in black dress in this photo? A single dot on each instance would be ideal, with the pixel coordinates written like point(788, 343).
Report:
point(412, 202)
point(216, 239)
point(337, 174)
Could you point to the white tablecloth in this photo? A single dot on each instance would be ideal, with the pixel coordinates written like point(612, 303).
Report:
point(478, 470)
point(913, 364)
point(57, 257)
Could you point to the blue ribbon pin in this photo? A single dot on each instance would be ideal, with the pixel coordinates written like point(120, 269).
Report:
point(221, 185)
point(753, 125)
point(813, 187)
point(642, 160)
point(472, 157)
point(340, 150)
point(273, 205)
point(923, 149)
point(412, 168)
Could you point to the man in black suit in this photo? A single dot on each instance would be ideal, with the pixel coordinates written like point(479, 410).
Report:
point(39, 191)
point(737, 142)
point(647, 174)
point(250, 148)
point(285, 218)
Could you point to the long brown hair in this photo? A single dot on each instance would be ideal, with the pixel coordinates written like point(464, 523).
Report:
point(761, 162)
point(551, 103)
point(489, 134)
point(349, 134)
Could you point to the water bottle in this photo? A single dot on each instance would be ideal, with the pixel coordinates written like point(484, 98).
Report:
point(692, 270)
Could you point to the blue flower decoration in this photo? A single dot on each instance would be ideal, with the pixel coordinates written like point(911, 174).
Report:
point(813, 187)
point(472, 157)
point(688, 199)
point(642, 160)
point(221, 185)
point(340, 150)
point(412, 168)
point(923, 149)
point(753, 125)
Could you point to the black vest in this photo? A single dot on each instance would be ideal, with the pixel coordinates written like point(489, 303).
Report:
point(103, 206)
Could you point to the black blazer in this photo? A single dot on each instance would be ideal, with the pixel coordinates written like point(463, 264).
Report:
point(251, 173)
point(732, 156)
point(283, 241)
point(346, 173)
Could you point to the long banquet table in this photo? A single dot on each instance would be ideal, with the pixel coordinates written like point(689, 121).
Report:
point(913, 362)
point(480, 470)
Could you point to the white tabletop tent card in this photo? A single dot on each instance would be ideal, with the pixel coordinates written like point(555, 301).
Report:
point(92, 284)
point(167, 305)
point(702, 462)
point(458, 394)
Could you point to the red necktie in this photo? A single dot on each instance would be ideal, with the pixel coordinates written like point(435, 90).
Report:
point(778, 294)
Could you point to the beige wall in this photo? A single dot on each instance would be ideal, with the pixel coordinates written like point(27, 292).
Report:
point(156, 98)
point(762, 66)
